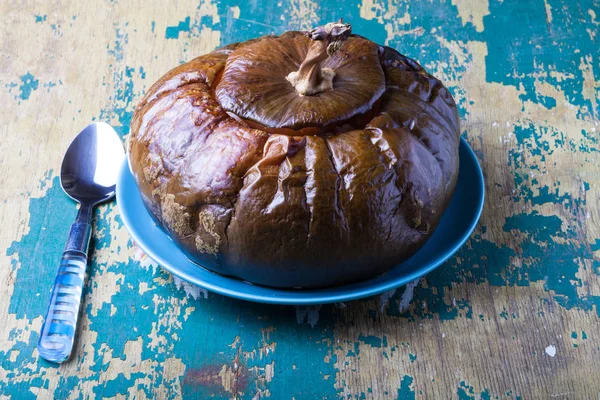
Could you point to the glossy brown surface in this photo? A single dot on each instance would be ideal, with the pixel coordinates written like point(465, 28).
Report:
point(354, 185)
point(254, 84)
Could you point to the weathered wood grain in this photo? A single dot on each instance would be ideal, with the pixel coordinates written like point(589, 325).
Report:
point(515, 314)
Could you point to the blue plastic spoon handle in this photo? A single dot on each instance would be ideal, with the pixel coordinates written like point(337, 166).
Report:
point(58, 331)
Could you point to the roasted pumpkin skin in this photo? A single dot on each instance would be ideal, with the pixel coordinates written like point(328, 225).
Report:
point(256, 181)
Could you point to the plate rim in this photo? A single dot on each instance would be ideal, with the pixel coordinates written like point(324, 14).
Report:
point(307, 296)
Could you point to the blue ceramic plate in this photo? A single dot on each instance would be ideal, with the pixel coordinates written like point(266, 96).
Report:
point(456, 226)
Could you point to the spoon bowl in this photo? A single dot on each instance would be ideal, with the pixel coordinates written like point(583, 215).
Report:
point(91, 164)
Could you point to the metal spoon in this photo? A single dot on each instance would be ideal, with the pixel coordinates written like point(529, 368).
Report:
point(88, 175)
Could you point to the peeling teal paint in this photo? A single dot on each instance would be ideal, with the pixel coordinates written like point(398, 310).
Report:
point(404, 391)
point(517, 64)
point(465, 392)
point(122, 38)
point(120, 110)
point(372, 341)
point(28, 85)
point(172, 32)
point(49, 85)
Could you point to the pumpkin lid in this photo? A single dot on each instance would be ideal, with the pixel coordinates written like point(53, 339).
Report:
point(303, 80)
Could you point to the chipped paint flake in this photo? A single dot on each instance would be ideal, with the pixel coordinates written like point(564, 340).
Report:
point(190, 290)
point(235, 11)
point(548, 11)
point(308, 314)
point(407, 296)
point(472, 11)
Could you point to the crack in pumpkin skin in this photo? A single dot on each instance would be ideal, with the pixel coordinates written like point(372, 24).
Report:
point(338, 185)
point(309, 206)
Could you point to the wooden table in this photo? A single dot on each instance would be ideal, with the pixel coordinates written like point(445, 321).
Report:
point(513, 315)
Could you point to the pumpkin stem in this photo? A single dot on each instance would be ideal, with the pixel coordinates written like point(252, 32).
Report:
point(311, 79)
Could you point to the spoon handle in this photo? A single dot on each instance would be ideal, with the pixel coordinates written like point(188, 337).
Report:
point(58, 331)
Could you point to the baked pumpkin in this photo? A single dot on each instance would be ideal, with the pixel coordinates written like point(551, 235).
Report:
point(304, 160)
